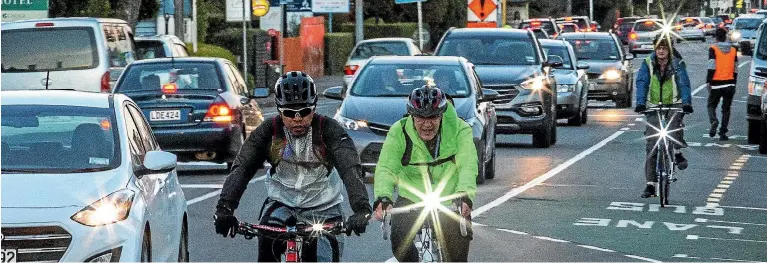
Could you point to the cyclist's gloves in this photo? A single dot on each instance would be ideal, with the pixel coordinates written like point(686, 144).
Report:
point(640, 108)
point(225, 221)
point(687, 108)
point(382, 200)
point(357, 223)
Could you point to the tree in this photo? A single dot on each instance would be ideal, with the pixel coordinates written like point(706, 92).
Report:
point(381, 10)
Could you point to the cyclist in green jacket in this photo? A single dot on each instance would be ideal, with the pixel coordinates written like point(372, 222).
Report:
point(430, 151)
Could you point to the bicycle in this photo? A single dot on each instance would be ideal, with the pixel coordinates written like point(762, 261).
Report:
point(665, 163)
point(295, 236)
point(427, 245)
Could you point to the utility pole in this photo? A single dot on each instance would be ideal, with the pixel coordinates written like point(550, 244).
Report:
point(420, 25)
point(591, 11)
point(359, 21)
point(569, 8)
point(245, 41)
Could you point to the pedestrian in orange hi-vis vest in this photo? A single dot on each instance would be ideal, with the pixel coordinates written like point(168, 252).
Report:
point(721, 79)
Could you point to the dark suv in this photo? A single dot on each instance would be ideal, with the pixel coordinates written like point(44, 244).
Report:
point(511, 62)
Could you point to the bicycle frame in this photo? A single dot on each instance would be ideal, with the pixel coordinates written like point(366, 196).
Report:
point(294, 236)
point(428, 247)
point(665, 163)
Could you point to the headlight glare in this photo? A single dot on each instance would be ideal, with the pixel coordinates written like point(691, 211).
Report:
point(735, 35)
point(351, 124)
point(113, 208)
point(536, 83)
point(611, 74)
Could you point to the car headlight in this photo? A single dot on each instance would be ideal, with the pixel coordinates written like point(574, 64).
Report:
point(535, 83)
point(351, 124)
point(755, 86)
point(735, 35)
point(565, 88)
point(611, 74)
point(113, 208)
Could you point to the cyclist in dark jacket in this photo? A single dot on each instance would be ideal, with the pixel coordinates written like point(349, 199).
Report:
point(303, 148)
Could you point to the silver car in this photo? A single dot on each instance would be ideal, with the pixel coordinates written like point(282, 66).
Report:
point(691, 28)
point(86, 54)
point(160, 46)
point(572, 82)
point(395, 46)
point(643, 34)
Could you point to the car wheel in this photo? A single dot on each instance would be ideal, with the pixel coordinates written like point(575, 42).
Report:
point(183, 246)
point(578, 119)
point(146, 248)
point(542, 138)
point(585, 114)
point(490, 169)
point(754, 130)
point(554, 132)
point(481, 172)
point(763, 138)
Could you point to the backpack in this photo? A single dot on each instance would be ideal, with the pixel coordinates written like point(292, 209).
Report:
point(409, 151)
point(318, 141)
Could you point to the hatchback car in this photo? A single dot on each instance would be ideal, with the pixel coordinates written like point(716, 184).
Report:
point(583, 22)
point(624, 20)
point(87, 54)
point(84, 181)
point(161, 46)
point(709, 25)
point(691, 28)
point(609, 67)
point(377, 99)
point(572, 82)
point(643, 34)
point(546, 24)
point(199, 108)
point(396, 46)
point(744, 30)
point(511, 62)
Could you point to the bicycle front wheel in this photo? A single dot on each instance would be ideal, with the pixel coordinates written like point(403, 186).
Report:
point(663, 180)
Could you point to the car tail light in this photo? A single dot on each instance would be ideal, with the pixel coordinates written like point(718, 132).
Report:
point(350, 69)
point(105, 82)
point(633, 36)
point(45, 24)
point(535, 23)
point(169, 88)
point(593, 28)
point(219, 111)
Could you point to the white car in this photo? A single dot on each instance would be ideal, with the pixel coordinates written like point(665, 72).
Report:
point(84, 180)
point(691, 28)
point(366, 49)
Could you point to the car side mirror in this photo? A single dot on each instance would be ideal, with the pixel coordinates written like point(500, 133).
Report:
point(554, 61)
point(260, 93)
point(489, 95)
point(583, 65)
point(629, 56)
point(157, 162)
point(335, 93)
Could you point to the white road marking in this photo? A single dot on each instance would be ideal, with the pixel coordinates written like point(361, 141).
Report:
point(695, 237)
point(551, 239)
point(704, 220)
point(203, 186)
point(743, 64)
point(625, 129)
point(701, 87)
point(217, 192)
point(639, 119)
point(720, 190)
point(643, 258)
point(726, 182)
point(723, 186)
point(540, 179)
point(512, 231)
point(596, 248)
point(716, 195)
point(745, 207)
point(631, 124)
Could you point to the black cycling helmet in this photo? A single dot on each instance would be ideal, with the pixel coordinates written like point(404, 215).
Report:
point(427, 101)
point(295, 88)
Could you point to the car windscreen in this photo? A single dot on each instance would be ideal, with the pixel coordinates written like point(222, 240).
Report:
point(540, 34)
point(49, 49)
point(568, 28)
point(707, 20)
point(595, 49)
point(747, 23)
point(388, 80)
point(647, 26)
point(562, 52)
point(761, 49)
point(625, 28)
point(491, 50)
point(545, 25)
point(58, 139)
point(150, 49)
point(581, 22)
point(383, 48)
point(689, 22)
point(189, 76)
point(717, 20)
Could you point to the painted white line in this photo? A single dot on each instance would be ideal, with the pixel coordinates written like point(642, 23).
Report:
point(699, 97)
point(704, 220)
point(551, 239)
point(596, 248)
point(701, 87)
point(639, 119)
point(726, 182)
point(540, 179)
point(720, 190)
point(643, 258)
point(217, 192)
point(716, 195)
point(736, 167)
point(614, 115)
point(746, 208)
point(694, 237)
point(712, 205)
point(743, 64)
point(203, 186)
point(625, 129)
point(731, 178)
point(631, 124)
point(512, 231)
point(723, 186)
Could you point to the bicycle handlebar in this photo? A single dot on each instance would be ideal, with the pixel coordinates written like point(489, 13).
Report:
point(249, 230)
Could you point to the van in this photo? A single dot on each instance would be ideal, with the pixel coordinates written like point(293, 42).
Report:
point(756, 106)
point(86, 54)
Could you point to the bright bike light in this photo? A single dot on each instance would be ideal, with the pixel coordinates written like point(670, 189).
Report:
point(351, 124)
point(431, 201)
point(317, 227)
point(535, 83)
point(735, 36)
point(611, 74)
point(110, 209)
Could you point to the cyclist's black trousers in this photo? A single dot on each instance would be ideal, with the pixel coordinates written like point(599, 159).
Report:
point(404, 228)
point(714, 96)
point(675, 124)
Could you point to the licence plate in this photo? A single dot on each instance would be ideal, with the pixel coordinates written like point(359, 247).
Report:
point(647, 46)
point(165, 115)
point(8, 255)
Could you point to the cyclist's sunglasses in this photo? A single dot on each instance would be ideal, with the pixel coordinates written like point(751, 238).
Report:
point(291, 113)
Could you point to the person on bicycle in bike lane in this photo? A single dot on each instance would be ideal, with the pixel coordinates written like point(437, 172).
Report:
point(662, 80)
point(303, 147)
point(431, 142)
